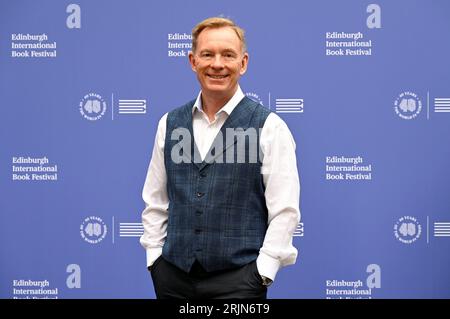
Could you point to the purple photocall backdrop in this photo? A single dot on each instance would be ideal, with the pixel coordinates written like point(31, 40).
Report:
point(363, 86)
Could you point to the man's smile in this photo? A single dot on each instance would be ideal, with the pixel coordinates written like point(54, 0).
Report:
point(217, 76)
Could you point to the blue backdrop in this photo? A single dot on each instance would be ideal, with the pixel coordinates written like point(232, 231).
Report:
point(84, 83)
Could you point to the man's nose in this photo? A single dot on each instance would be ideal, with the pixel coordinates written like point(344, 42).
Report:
point(217, 62)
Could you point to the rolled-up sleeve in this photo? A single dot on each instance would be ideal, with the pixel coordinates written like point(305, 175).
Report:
point(282, 193)
point(154, 194)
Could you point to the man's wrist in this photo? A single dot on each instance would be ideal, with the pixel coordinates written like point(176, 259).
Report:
point(266, 281)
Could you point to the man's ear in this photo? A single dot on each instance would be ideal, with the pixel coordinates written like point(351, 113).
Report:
point(192, 61)
point(244, 63)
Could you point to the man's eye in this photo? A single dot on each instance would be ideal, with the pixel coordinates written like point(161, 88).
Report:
point(206, 55)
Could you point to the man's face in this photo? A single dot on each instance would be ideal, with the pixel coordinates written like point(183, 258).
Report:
point(218, 61)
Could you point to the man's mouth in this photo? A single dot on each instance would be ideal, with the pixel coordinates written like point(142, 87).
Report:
point(217, 77)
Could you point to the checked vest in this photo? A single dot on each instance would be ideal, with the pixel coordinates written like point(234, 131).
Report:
point(217, 210)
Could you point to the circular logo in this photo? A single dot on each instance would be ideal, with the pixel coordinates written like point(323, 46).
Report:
point(92, 107)
point(408, 105)
point(407, 229)
point(93, 229)
point(255, 97)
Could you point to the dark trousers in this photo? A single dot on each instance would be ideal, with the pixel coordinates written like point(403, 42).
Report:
point(170, 282)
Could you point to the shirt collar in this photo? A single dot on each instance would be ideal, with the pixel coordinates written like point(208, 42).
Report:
point(227, 108)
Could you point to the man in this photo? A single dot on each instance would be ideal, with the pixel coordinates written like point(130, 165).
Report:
point(219, 226)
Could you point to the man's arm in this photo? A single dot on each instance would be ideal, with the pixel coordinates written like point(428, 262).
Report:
point(155, 214)
point(280, 176)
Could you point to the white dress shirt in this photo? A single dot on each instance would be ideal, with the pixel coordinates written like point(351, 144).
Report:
point(280, 177)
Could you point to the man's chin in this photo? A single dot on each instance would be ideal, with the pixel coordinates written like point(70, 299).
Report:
point(217, 85)
point(217, 89)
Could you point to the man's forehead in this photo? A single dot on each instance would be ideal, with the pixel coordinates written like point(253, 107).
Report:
point(224, 37)
point(221, 33)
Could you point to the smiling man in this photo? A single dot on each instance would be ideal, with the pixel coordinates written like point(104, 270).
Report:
point(215, 229)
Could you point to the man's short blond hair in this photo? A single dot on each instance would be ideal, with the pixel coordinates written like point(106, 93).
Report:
point(217, 22)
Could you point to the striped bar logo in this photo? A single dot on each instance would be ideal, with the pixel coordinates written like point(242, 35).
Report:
point(441, 229)
point(132, 106)
point(131, 229)
point(289, 105)
point(442, 105)
point(299, 230)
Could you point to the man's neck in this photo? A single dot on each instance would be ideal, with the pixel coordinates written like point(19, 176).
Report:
point(211, 104)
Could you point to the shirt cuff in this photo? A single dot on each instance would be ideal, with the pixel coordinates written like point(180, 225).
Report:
point(153, 254)
point(267, 266)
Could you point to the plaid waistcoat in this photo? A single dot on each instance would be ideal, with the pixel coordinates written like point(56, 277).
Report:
point(217, 211)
